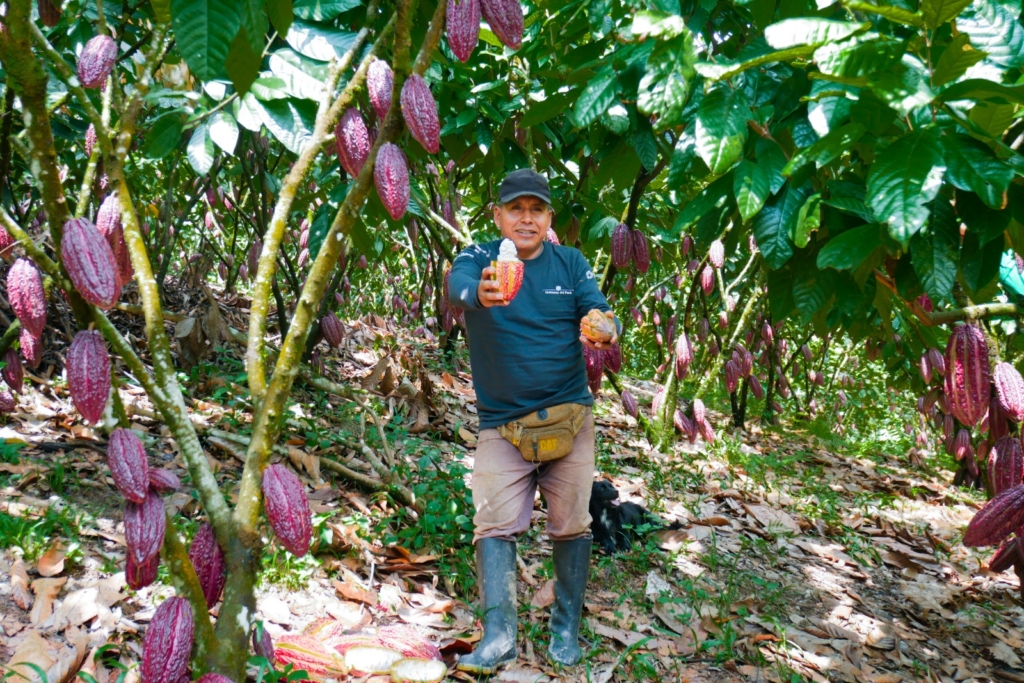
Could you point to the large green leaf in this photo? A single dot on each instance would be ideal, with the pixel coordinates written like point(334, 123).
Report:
point(809, 31)
point(827, 149)
point(934, 251)
point(938, 12)
point(858, 56)
point(972, 166)
point(851, 248)
point(600, 93)
point(203, 31)
point(722, 128)
point(666, 84)
point(773, 225)
point(322, 43)
point(994, 28)
point(323, 10)
point(956, 59)
point(904, 178)
point(751, 183)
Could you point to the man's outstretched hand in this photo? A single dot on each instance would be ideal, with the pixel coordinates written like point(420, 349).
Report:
point(488, 292)
point(602, 346)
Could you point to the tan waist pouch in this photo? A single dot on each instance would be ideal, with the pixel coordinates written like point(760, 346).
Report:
point(546, 434)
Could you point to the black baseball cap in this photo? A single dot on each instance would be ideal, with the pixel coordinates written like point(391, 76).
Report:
point(524, 182)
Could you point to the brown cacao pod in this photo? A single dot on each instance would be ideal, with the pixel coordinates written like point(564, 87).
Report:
point(1010, 390)
point(141, 575)
point(1005, 464)
point(379, 82)
point(31, 348)
point(463, 27)
point(163, 481)
point(597, 327)
point(49, 12)
point(391, 176)
point(613, 358)
point(27, 297)
point(505, 17)
point(352, 141)
point(622, 246)
point(594, 361)
point(168, 642)
point(716, 254)
point(13, 372)
point(732, 376)
point(641, 256)
point(284, 499)
point(1000, 517)
point(97, 61)
point(144, 527)
point(108, 222)
point(88, 370)
point(967, 374)
point(333, 331)
point(208, 560)
point(420, 113)
point(629, 404)
point(90, 263)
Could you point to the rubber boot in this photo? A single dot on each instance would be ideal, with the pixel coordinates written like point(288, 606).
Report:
point(572, 566)
point(496, 572)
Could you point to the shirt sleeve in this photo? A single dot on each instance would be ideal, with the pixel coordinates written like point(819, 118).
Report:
point(465, 278)
point(588, 294)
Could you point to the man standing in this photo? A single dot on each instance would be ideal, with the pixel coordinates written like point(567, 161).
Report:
point(527, 360)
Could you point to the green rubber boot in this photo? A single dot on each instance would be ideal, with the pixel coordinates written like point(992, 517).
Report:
point(572, 565)
point(496, 572)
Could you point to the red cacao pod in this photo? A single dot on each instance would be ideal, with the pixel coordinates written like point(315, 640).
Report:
point(613, 358)
point(420, 113)
point(90, 263)
point(108, 222)
point(622, 246)
point(629, 404)
point(1010, 390)
point(163, 481)
point(352, 141)
point(208, 560)
point(463, 27)
point(284, 499)
point(716, 254)
point(144, 527)
point(13, 372)
point(967, 374)
point(168, 642)
point(141, 575)
point(333, 331)
point(379, 83)
point(1000, 517)
point(1005, 464)
point(88, 370)
point(391, 176)
point(31, 348)
point(756, 388)
point(27, 297)
point(505, 17)
point(641, 256)
point(97, 61)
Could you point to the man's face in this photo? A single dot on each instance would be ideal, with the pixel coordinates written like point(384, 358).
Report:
point(524, 220)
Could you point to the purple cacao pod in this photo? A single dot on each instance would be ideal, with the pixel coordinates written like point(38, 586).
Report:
point(168, 642)
point(144, 526)
point(208, 560)
point(88, 371)
point(391, 176)
point(287, 507)
point(27, 296)
point(379, 83)
point(420, 112)
point(463, 27)
point(97, 61)
point(90, 263)
point(967, 374)
point(622, 246)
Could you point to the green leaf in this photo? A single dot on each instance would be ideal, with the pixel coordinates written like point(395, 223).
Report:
point(827, 149)
point(751, 184)
point(290, 121)
point(224, 131)
point(322, 43)
point(808, 221)
point(983, 90)
point(809, 31)
point(163, 137)
point(772, 226)
point(653, 24)
point(302, 77)
point(722, 128)
point(958, 56)
point(935, 250)
point(200, 150)
point(904, 178)
point(323, 10)
point(599, 94)
point(541, 110)
point(858, 56)
point(280, 13)
point(970, 165)
point(994, 28)
point(938, 12)
point(203, 31)
point(665, 86)
point(849, 249)
point(897, 14)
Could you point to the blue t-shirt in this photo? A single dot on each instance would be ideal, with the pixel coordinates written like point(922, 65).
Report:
point(527, 355)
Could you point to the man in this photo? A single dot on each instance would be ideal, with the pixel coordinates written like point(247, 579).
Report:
point(526, 356)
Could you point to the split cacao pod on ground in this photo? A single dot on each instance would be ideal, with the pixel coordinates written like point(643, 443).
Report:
point(505, 17)
point(97, 61)
point(352, 141)
point(90, 264)
point(141, 575)
point(13, 372)
point(420, 113)
point(622, 246)
point(1005, 464)
point(597, 327)
point(1000, 517)
point(27, 297)
point(108, 222)
point(716, 254)
point(1010, 390)
point(629, 404)
point(144, 527)
point(333, 331)
point(641, 255)
point(463, 27)
point(88, 370)
point(379, 82)
point(509, 275)
point(163, 481)
point(967, 374)
point(168, 642)
point(391, 176)
point(31, 348)
point(208, 560)
point(287, 507)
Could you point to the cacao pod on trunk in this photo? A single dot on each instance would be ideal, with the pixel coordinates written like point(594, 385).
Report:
point(1010, 390)
point(967, 374)
point(144, 527)
point(1000, 517)
point(505, 17)
point(463, 27)
point(716, 254)
point(163, 481)
point(168, 642)
point(379, 82)
point(88, 370)
point(13, 372)
point(613, 358)
point(622, 246)
point(420, 113)
point(27, 296)
point(31, 348)
point(333, 331)
point(97, 61)
point(352, 141)
point(391, 176)
point(629, 404)
point(90, 263)
point(287, 507)
point(208, 560)
point(1005, 464)
point(141, 575)
point(641, 256)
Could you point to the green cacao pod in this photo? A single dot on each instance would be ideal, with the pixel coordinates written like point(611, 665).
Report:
point(391, 176)
point(97, 61)
point(208, 560)
point(90, 263)
point(168, 642)
point(144, 527)
point(420, 113)
point(284, 499)
point(88, 370)
point(967, 374)
point(27, 296)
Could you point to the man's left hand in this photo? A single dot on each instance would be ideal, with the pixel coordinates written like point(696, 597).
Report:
point(602, 346)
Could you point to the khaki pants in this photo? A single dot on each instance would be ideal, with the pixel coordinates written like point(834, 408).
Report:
point(504, 485)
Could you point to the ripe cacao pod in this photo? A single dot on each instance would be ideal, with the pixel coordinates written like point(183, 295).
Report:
point(597, 327)
point(163, 481)
point(1000, 517)
point(13, 372)
point(31, 348)
point(1005, 464)
point(937, 360)
point(967, 374)
point(505, 17)
point(379, 82)
point(208, 560)
point(352, 141)
point(622, 246)
point(629, 404)
point(420, 113)
point(144, 527)
point(732, 376)
point(333, 331)
point(141, 575)
point(552, 236)
point(509, 275)
point(463, 27)
point(613, 358)
point(391, 176)
point(88, 370)
point(97, 61)
point(641, 256)
point(168, 642)
point(756, 388)
point(716, 254)
point(108, 222)
point(1010, 390)
point(284, 499)
point(27, 297)
point(90, 263)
